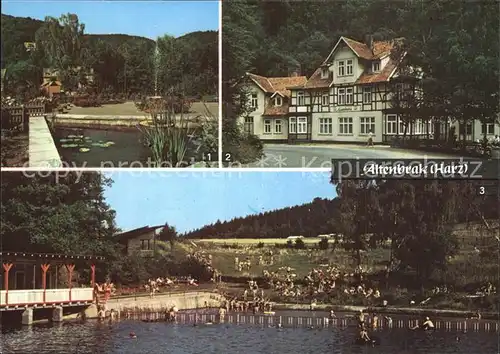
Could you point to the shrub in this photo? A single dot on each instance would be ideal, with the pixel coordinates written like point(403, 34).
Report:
point(299, 244)
point(323, 244)
point(289, 244)
point(260, 245)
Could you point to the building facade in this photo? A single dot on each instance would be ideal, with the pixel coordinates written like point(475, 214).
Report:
point(347, 99)
point(142, 241)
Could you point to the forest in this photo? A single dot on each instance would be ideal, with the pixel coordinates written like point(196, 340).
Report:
point(455, 43)
point(122, 63)
point(418, 199)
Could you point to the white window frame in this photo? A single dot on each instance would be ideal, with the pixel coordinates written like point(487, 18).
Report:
point(366, 125)
point(254, 101)
point(341, 68)
point(248, 125)
point(345, 126)
point(301, 125)
point(367, 94)
point(278, 101)
point(341, 96)
point(376, 66)
point(301, 98)
point(349, 96)
point(391, 124)
point(349, 67)
point(268, 126)
point(325, 99)
point(278, 123)
point(324, 73)
point(292, 125)
point(325, 126)
point(486, 127)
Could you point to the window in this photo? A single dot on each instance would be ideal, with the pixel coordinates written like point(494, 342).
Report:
point(248, 125)
point(367, 125)
point(267, 126)
point(278, 101)
point(367, 94)
point(376, 66)
point(324, 73)
point(341, 96)
point(488, 128)
point(349, 67)
point(348, 96)
point(391, 124)
point(341, 67)
point(465, 129)
point(402, 127)
point(325, 99)
point(145, 245)
point(253, 100)
point(292, 125)
point(345, 126)
point(301, 125)
point(277, 126)
point(300, 98)
point(325, 126)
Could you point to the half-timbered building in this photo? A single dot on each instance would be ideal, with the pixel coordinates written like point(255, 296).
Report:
point(269, 100)
point(347, 99)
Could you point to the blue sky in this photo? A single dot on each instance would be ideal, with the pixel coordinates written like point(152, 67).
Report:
point(189, 200)
point(141, 18)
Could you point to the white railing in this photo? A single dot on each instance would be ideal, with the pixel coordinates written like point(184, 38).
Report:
point(36, 296)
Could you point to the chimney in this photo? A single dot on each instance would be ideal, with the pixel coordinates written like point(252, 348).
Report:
point(369, 42)
point(294, 72)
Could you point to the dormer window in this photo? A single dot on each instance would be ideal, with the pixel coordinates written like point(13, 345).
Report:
point(376, 66)
point(278, 101)
point(324, 73)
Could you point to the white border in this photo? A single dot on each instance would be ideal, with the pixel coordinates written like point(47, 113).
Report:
point(220, 84)
point(173, 170)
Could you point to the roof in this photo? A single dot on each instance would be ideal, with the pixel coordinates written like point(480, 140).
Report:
point(384, 75)
point(277, 84)
point(315, 81)
point(51, 83)
point(271, 110)
point(124, 236)
point(46, 256)
point(381, 49)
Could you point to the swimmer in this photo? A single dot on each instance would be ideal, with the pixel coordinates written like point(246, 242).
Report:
point(132, 335)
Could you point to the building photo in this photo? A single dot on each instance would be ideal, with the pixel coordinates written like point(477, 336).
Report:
point(301, 92)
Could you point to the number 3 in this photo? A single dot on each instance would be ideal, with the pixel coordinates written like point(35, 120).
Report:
point(481, 190)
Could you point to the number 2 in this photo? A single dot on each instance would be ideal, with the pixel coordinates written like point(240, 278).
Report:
point(227, 157)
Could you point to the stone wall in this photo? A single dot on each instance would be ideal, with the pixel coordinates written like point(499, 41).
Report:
point(183, 301)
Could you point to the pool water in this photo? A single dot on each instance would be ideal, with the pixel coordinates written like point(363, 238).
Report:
point(107, 148)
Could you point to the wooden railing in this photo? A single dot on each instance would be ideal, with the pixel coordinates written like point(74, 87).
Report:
point(16, 117)
point(34, 297)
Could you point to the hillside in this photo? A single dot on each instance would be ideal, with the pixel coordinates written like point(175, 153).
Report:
point(193, 59)
point(308, 219)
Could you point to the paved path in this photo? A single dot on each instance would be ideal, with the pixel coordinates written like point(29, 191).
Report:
point(42, 149)
point(317, 156)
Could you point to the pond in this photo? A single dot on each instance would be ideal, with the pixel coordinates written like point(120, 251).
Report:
point(107, 148)
point(94, 337)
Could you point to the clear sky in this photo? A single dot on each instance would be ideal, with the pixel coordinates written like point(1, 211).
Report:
point(141, 18)
point(189, 200)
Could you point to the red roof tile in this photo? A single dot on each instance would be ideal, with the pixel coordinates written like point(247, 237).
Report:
point(384, 75)
point(271, 110)
point(315, 81)
point(380, 48)
point(278, 84)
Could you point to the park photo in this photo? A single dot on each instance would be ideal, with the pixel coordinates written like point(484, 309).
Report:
point(304, 82)
point(122, 262)
point(109, 84)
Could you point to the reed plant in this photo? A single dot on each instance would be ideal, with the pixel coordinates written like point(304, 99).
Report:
point(167, 136)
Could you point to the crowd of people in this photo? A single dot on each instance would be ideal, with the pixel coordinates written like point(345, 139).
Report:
point(327, 280)
point(205, 261)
